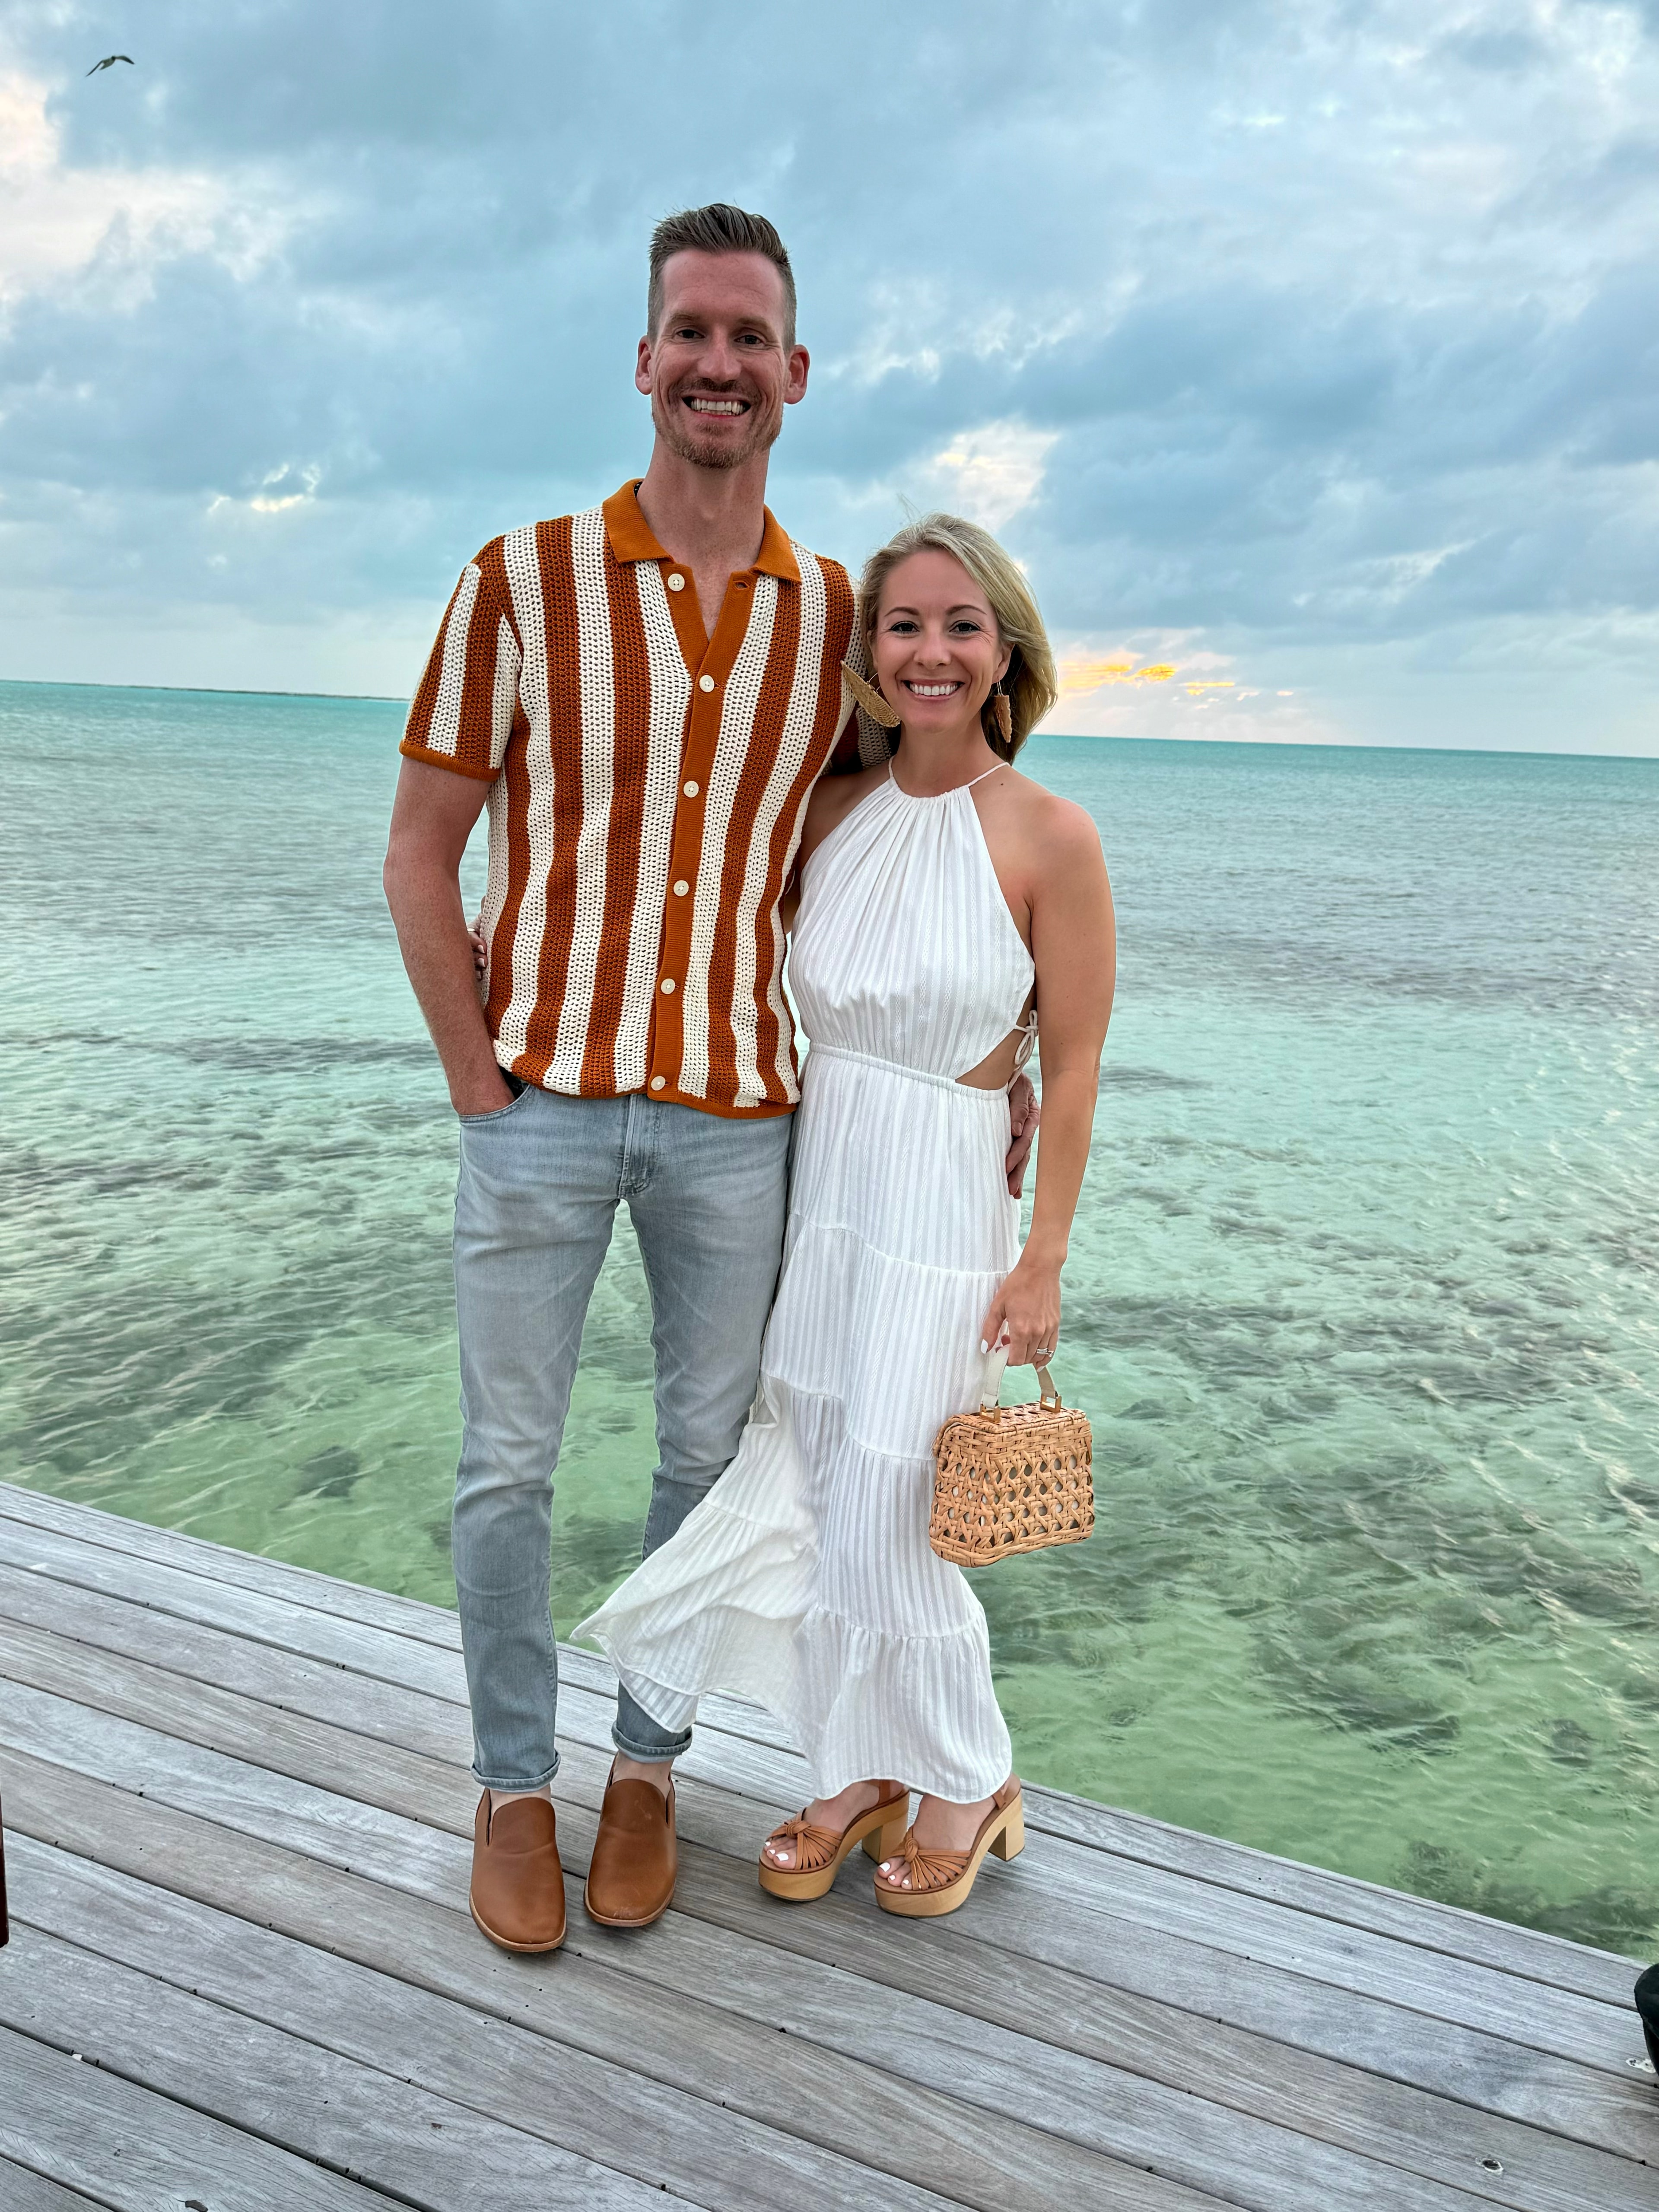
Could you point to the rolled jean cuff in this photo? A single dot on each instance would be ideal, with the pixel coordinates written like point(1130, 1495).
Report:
point(637, 1735)
point(500, 1782)
point(662, 1747)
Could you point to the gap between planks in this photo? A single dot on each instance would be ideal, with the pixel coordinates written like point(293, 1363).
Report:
point(410, 1855)
point(1082, 1878)
point(681, 2048)
point(1423, 1923)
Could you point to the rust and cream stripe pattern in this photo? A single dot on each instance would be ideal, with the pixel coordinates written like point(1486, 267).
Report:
point(743, 694)
point(646, 783)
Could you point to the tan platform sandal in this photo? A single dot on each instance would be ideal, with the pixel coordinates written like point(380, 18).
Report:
point(940, 1880)
point(819, 1851)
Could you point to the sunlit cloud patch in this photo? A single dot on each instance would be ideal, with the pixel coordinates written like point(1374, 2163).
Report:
point(1306, 357)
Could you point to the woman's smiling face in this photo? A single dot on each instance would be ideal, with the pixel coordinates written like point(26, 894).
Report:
point(935, 648)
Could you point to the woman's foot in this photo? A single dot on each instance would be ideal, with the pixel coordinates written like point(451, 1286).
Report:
point(934, 1871)
point(940, 1825)
point(833, 1812)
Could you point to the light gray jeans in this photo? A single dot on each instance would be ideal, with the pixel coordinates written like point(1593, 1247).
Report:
point(540, 1183)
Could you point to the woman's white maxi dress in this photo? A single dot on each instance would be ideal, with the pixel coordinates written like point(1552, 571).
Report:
point(805, 1580)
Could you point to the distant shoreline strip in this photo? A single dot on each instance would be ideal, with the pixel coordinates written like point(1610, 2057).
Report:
point(194, 690)
point(1038, 737)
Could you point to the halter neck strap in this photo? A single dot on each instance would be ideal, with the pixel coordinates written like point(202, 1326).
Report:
point(892, 778)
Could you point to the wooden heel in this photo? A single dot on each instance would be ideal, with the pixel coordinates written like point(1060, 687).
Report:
point(885, 1843)
point(1010, 1841)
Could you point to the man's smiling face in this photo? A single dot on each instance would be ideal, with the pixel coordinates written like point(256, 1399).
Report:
point(720, 367)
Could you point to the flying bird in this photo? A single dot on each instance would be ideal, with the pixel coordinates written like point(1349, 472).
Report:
point(109, 62)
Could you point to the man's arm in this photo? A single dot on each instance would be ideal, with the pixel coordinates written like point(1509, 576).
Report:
point(432, 818)
point(1024, 1114)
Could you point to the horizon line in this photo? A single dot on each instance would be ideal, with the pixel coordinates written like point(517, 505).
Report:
point(1070, 737)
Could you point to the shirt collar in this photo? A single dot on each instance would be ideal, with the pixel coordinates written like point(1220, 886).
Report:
point(631, 538)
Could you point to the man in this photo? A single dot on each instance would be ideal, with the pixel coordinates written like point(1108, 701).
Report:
point(644, 694)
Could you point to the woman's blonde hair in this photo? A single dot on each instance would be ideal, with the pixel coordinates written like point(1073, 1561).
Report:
point(1031, 682)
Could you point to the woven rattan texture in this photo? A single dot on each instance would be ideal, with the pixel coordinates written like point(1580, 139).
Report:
point(1014, 1479)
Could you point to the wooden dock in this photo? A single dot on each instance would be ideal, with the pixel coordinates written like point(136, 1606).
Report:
point(242, 1978)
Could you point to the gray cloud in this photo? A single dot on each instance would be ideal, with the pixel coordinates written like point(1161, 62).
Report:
point(1342, 324)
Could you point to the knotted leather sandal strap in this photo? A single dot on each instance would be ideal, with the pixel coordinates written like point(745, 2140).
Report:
point(928, 1870)
point(822, 1843)
point(813, 1847)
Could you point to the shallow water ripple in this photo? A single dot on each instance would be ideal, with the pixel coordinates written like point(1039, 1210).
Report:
point(1363, 1297)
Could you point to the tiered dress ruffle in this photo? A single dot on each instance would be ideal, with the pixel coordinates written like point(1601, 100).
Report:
point(805, 1581)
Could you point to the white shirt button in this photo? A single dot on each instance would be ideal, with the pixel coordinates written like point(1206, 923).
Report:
point(690, 790)
point(705, 683)
point(658, 1082)
point(676, 581)
point(667, 985)
point(681, 887)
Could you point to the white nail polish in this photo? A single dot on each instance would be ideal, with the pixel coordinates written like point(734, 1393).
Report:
point(983, 1347)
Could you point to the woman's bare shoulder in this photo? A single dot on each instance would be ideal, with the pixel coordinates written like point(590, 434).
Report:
point(1065, 833)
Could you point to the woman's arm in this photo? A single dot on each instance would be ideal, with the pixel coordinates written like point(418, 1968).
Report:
point(1074, 945)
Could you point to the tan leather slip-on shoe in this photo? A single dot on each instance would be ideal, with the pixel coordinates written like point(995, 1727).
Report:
point(631, 1877)
point(517, 1896)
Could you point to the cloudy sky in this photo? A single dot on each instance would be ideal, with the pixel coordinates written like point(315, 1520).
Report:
point(1308, 351)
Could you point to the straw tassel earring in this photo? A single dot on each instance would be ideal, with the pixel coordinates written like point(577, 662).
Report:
point(1003, 712)
point(869, 698)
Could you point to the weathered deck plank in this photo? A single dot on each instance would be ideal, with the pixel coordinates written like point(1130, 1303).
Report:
point(435, 2041)
point(125, 2147)
point(854, 2105)
point(432, 1794)
point(355, 2117)
point(341, 1828)
point(1025, 2077)
point(1342, 2104)
point(482, 2059)
point(1421, 1921)
point(247, 1787)
point(23, 2192)
point(1424, 2133)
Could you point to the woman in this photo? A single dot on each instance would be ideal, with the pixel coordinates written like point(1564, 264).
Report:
point(943, 898)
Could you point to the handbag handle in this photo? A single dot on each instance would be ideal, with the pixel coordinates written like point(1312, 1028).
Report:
point(990, 1388)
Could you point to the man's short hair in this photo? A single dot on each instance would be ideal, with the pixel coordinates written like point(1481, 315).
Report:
point(718, 229)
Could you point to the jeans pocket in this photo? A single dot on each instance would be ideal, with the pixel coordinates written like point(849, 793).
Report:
point(498, 1113)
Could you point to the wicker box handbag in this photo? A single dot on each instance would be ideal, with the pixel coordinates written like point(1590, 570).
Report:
point(1011, 1478)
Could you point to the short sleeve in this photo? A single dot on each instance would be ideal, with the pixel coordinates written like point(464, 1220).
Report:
point(462, 714)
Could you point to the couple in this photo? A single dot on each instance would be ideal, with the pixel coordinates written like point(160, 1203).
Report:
point(693, 740)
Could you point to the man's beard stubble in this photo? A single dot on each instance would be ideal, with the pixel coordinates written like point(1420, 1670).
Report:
point(710, 454)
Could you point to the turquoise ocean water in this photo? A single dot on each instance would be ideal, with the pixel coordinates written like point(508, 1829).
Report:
point(1362, 1299)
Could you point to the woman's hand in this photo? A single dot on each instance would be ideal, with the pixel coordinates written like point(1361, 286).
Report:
point(480, 950)
point(1025, 1314)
